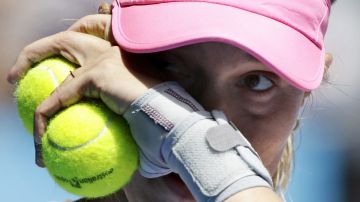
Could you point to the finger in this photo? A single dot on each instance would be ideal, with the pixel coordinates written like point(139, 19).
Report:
point(69, 92)
point(97, 25)
point(66, 94)
point(89, 90)
point(74, 46)
point(104, 8)
point(72, 89)
point(72, 75)
point(38, 157)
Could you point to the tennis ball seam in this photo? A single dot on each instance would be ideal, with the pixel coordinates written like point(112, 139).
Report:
point(98, 136)
point(52, 75)
point(104, 155)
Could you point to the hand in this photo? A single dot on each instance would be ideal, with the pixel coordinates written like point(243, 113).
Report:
point(96, 25)
point(102, 73)
point(106, 78)
point(209, 153)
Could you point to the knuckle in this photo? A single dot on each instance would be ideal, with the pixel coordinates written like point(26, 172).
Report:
point(57, 95)
point(88, 19)
point(83, 23)
point(85, 19)
point(39, 112)
point(27, 51)
point(63, 35)
point(86, 24)
point(64, 41)
point(28, 54)
point(58, 92)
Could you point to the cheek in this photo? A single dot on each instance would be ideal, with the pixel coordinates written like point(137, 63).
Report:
point(276, 126)
point(274, 119)
point(255, 116)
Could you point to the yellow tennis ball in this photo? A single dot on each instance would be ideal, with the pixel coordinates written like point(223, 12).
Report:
point(87, 148)
point(38, 83)
point(89, 151)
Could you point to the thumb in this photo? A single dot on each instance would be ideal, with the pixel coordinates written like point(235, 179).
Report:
point(98, 25)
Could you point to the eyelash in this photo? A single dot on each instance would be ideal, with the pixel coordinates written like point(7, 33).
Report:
point(162, 64)
point(268, 75)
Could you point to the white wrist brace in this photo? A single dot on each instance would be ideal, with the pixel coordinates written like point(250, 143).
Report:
point(175, 133)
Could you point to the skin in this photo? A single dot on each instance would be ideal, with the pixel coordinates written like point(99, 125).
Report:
point(207, 71)
point(214, 70)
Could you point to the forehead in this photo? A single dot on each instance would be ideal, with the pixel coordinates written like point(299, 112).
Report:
point(210, 50)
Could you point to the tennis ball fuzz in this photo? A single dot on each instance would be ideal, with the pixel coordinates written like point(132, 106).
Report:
point(38, 83)
point(89, 151)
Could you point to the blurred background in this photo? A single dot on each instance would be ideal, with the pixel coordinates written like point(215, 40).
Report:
point(327, 164)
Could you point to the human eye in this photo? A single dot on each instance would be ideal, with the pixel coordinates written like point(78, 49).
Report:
point(256, 82)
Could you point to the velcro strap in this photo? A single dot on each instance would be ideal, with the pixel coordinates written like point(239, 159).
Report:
point(223, 138)
point(209, 153)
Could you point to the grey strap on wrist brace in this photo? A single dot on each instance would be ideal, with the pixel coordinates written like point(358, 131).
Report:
point(152, 116)
point(174, 132)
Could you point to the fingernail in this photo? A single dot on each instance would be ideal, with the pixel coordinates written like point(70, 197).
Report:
point(39, 162)
point(10, 80)
point(38, 155)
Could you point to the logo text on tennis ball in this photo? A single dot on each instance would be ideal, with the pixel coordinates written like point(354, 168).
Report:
point(89, 150)
point(75, 182)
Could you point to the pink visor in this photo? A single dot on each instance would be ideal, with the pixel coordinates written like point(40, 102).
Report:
point(285, 35)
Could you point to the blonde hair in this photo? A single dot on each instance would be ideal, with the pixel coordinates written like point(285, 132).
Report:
point(283, 172)
point(284, 168)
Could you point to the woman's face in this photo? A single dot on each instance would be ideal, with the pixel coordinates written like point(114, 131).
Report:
point(219, 76)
